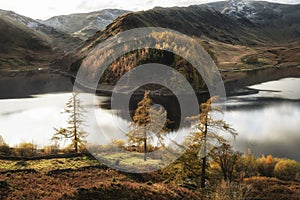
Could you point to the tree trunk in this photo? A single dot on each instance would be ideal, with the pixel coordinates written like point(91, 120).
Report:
point(145, 147)
point(225, 176)
point(203, 173)
point(75, 125)
point(75, 144)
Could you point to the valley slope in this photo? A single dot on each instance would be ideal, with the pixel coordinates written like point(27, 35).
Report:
point(239, 36)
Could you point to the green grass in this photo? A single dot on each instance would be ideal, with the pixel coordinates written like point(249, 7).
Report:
point(130, 159)
point(47, 165)
point(133, 161)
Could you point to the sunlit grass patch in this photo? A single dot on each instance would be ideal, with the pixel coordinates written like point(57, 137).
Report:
point(45, 165)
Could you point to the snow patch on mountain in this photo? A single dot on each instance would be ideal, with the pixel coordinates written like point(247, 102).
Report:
point(33, 25)
point(84, 25)
point(240, 9)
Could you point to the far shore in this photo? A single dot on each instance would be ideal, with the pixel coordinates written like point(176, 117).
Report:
point(44, 81)
point(235, 81)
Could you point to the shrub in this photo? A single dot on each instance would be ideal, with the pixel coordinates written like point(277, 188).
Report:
point(26, 149)
point(287, 169)
point(119, 143)
point(5, 150)
point(247, 166)
point(52, 149)
point(266, 165)
point(228, 191)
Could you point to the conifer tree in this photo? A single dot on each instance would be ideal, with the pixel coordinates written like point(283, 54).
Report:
point(146, 122)
point(74, 131)
point(207, 128)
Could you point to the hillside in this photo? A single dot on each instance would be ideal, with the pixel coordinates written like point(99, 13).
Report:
point(83, 25)
point(218, 24)
point(59, 40)
point(21, 46)
point(277, 21)
point(28, 44)
point(235, 41)
point(82, 177)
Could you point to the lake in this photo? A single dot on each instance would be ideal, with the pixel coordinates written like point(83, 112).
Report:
point(267, 122)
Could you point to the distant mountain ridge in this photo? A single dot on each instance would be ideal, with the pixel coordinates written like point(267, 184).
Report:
point(237, 34)
point(278, 22)
point(22, 46)
point(29, 42)
point(84, 25)
point(232, 31)
point(255, 10)
point(226, 21)
point(59, 39)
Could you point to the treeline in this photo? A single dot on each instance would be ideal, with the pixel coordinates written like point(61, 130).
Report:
point(28, 149)
point(224, 163)
point(247, 166)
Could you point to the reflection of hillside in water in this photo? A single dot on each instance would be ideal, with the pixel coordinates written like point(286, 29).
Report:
point(170, 104)
point(26, 84)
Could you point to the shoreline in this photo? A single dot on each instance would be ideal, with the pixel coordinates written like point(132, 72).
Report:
point(235, 81)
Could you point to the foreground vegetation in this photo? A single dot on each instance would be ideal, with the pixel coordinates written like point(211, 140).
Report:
point(83, 177)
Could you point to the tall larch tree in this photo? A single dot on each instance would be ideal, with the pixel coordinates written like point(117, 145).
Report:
point(146, 122)
point(207, 128)
point(76, 121)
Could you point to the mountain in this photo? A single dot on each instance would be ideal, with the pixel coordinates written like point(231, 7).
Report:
point(27, 43)
point(237, 34)
point(218, 21)
point(22, 46)
point(59, 39)
point(255, 10)
point(279, 21)
point(84, 25)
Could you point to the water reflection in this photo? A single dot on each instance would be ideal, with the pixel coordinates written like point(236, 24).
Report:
point(31, 119)
point(267, 122)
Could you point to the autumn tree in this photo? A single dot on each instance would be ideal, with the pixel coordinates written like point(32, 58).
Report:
point(186, 168)
point(226, 158)
point(286, 169)
point(26, 149)
point(74, 131)
point(146, 122)
point(266, 165)
point(247, 165)
point(207, 128)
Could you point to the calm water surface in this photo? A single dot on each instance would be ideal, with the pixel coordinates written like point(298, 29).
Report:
point(267, 122)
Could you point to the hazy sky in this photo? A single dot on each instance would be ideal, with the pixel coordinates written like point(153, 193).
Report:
point(43, 9)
